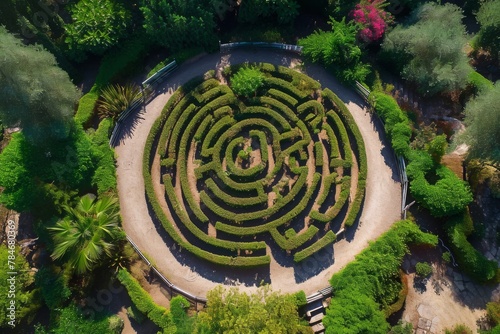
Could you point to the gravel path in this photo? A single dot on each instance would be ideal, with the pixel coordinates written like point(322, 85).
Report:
point(381, 207)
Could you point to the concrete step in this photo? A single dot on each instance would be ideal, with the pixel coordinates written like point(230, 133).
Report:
point(317, 318)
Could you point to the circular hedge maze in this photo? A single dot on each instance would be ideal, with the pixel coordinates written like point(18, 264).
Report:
point(232, 179)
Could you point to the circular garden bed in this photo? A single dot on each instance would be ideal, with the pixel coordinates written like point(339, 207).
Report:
point(233, 180)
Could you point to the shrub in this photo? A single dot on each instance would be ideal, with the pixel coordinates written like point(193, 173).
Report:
point(423, 269)
point(247, 81)
point(472, 261)
point(145, 304)
point(372, 282)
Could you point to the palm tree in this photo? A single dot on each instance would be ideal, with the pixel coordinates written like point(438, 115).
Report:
point(115, 99)
point(86, 234)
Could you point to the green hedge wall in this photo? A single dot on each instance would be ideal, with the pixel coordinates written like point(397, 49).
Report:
point(144, 303)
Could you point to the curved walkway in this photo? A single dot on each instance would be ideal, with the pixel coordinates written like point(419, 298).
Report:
point(381, 207)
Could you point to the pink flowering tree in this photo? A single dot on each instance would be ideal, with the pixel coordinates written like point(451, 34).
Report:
point(372, 19)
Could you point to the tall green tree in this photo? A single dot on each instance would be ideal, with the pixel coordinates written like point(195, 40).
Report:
point(482, 131)
point(96, 26)
point(337, 49)
point(430, 49)
point(488, 17)
point(35, 93)
point(179, 24)
point(266, 311)
point(86, 234)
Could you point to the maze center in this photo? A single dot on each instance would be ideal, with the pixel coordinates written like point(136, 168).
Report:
point(235, 180)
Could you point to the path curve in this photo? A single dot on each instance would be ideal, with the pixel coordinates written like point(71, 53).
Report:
point(382, 200)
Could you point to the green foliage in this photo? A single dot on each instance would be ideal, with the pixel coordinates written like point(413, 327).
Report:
point(53, 287)
point(446, 257)
point(115, 99)
point(86, 234)
point(178, 308)
point(253, 11)
point(71, 320)
point(396, 123)
point(104, 177)
point(423, 269)
point(145, 304)
point(86, 107)
point(469, 259)
point(179, 24)
point(18, 290)
point(437, 148)
point(116, 324)
point(430, 49)
point(266, 311)
point(180, 57)
point(482, 126)
point(43, 108)
point(488, 17)
point(33, 178)
point(447, 196)
point(478, 82)
point(338, 50)
point(247, 81)
point(300, 298)
point(95, 27)
point(372, 282)
point(493, 309)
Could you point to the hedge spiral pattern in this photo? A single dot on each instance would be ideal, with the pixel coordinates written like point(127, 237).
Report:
point(288, 163)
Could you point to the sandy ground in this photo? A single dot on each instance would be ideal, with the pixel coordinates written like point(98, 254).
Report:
point(380, 211)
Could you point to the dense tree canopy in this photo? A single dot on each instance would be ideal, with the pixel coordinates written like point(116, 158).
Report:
point(34, 92)
point(177, 24)
point(431, 49)
point(231, 311)
point(482, 126)
point(96, 26)
point(488, 17)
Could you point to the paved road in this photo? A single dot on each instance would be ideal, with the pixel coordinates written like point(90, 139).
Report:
point(381, 207)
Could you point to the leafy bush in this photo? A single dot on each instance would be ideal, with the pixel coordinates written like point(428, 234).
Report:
point(247, 81)
point(372, 282)
point(252, 11)
point(145, 304)
point(423, 269)
point(447, 196)
point(338, 50)
point(72, 320)
point(96, 26)
point(472, 261)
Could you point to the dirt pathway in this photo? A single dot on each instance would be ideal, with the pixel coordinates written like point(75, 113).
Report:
point(380, 211)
